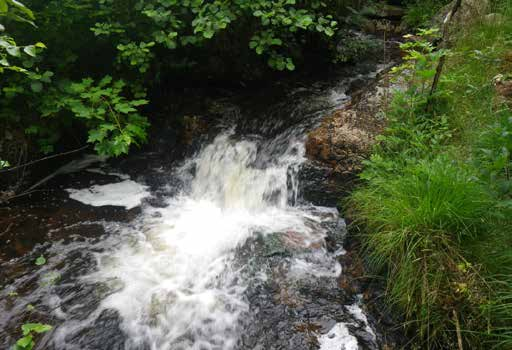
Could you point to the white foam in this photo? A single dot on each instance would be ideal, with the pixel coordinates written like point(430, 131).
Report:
point(358, 313)
point(128, 194)
point(323, 266)
point(177, 286)
point(338, 338)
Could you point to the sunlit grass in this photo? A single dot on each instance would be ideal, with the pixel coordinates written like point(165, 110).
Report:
point(438, 223)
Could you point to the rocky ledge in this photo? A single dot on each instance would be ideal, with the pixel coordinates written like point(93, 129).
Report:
point(337, 148)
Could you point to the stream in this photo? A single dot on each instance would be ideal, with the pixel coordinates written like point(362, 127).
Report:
point(219, 250)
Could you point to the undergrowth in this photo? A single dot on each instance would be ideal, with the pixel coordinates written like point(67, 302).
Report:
point(436, 203)
point(420, 12)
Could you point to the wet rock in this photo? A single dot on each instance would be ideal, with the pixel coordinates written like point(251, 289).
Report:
point(376, 26)
point(384, 18)
point(103, 334)
point(339, 138)
point(344, 139)
point(193, 127)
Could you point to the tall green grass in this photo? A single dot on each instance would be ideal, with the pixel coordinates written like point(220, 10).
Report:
point(436, 204)
point(416, 223)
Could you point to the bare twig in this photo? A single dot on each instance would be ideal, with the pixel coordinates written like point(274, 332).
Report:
point(25, 193)
point(7, 229)
point(442, 45)
point(457, 328)
point(43, 159)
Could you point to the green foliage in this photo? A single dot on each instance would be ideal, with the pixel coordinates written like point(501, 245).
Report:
point(420, 60)
point(113, 121)
point(174, 25)
point(11, 10)
point(412, 134)
point(4, 164)
point(16, 11)
point(420, 12)
point(417, 221)
point(493, 154)
point(40, 261)
point(436, 199)
point(29, 331)
point(140, 43)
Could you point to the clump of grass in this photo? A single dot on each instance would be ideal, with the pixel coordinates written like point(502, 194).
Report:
point(416, 223)
point(501, 312)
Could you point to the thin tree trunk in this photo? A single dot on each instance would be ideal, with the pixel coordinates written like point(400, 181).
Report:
point(442, 45)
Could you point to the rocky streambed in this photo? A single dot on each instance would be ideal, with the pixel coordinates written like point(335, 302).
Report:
point(234, 242)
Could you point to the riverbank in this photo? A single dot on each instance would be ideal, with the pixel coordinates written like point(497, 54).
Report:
point(433, 211)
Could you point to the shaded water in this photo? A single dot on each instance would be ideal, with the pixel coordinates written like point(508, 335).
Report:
point(224, 252)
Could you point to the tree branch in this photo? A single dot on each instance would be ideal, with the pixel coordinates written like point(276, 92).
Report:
point(43, 159)
point(443, 45)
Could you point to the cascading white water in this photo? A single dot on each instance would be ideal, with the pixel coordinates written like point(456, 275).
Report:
point(179, 288)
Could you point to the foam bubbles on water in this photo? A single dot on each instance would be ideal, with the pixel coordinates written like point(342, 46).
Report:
point(338, 338)
point(127, 193)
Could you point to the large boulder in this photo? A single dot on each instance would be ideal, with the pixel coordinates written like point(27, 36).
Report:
point(469, 12)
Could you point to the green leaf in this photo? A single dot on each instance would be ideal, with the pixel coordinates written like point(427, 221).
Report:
point(13, 51)
point(139, 102)
point(208, 34)
point(30, 50)
point(40, 260)
point(96, 135)
point(26, 342)
point(35, 327)
point(3, 6)
point(427, 74)
point(36, 86)
point(105, 81)
point(124, 108)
